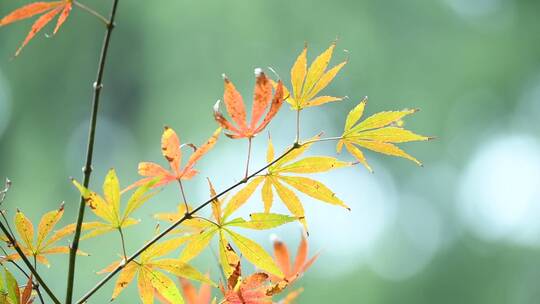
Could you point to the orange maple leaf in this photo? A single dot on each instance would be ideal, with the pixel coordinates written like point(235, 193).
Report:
point(49, 10)
point(170, 147)
point(192, 296)
point(251, 290)
point(262, 99)
point(301, 264)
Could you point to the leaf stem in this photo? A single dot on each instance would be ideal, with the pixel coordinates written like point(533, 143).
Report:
point(87, 169)
point(297, 126)
point(92, 12)
point(176, 224)
point(311, 141)
point(248, 157)
point(123, 242)
point(183, 195)
point(207, 220)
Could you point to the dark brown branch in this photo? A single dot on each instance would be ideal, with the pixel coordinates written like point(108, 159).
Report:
point(87, 169)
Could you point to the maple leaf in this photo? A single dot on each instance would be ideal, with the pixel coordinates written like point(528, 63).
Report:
point(11, 293)
point(192, 296)
point(221, 226)
point(257, 288)
point(171, 149)
point(49, 11)
point(40, 246)
point(108, 208)
point(278, 177)
point(252, 290)
point(262, 99)
point(292, 271)
point(307, 83)
point(150, 271)
point(378, 133)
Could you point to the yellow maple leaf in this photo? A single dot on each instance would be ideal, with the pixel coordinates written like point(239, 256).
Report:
point(150, 272)
point(223, 227)
point(378, 133)
point(279, 178)
point(40, 245)
point(107, 208)
point(307, 83)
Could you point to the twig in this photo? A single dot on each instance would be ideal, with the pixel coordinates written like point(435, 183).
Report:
point(98, 85)
point(36, 285)
point(4, 192)
point(187, 216)
point(7, 224)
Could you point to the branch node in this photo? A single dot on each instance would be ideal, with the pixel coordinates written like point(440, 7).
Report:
point(111, 25)
point(97, 86)
point(87, 170)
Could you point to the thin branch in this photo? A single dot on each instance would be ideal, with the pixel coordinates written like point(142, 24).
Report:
point(98, 85)
point(187, 216)
point(28, 263)
point(36, 285)
point(4, 192)
point(92, 12)
point(7, 224)
point(248, 157)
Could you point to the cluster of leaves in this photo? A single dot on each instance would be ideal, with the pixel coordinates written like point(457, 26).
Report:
point(41, 245)
point(48, 11)
point(155, 270)
point(11, 293)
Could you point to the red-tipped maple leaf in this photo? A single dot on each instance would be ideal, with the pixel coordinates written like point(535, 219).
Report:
point(262, 99)
point(49, 11)
point(251, 290)
point(301, 264)
point(254, 289)
point(170, 147)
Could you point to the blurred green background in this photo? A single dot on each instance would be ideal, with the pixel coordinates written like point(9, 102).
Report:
point(465, 228)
